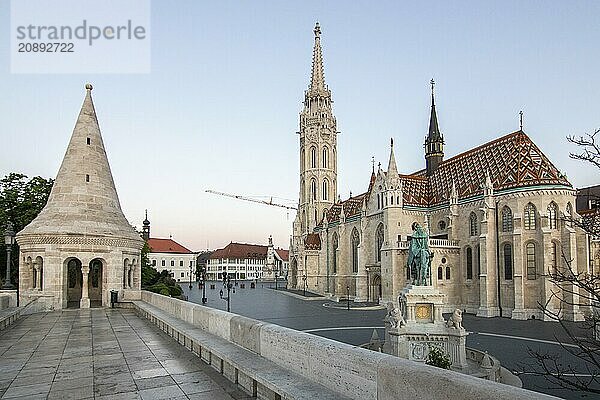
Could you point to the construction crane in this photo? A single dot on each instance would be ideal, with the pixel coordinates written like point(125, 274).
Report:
point(235, 196)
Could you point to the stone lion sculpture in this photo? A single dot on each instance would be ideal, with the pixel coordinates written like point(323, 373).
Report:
point(455, 321)
point(394, 316)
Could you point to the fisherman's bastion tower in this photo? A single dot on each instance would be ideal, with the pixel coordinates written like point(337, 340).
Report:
point(80, 246)
point(497, 217)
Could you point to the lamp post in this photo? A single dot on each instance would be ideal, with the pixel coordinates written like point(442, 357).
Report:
point(275, 279)
point(203, 287)
point(227, 285)
point(304, 279)
point(348, 296)
point(9, 241)
point(190, 277)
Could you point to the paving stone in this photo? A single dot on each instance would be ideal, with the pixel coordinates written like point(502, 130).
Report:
point(166, 392)
point(157, 381)
point(29, 390)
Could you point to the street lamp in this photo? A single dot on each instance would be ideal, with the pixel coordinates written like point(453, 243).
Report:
point(203, 287)
point(9, 241)
point(227, 285)
point(190, 276)
point(304, 279)
point(348, 296)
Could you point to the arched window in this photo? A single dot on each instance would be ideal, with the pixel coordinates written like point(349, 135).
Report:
point(313, 157)
point(325, 189)
point(531, 261)
point(507, 219)
point(302, 159)
point(440, 273)
point(334, 244)
point(379, 241)
point(448, 273)
point(473, 224)
point(302, 190)
point(529, 217)
point(569, 216)
point(325, 157)
point(313, 189)
point(552, 212)
point(508, 262)
point(378, 201)
point(355, 241)
point(469, 262)
point(554, 259)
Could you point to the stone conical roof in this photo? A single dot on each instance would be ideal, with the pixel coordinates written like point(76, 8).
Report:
point(83, 200)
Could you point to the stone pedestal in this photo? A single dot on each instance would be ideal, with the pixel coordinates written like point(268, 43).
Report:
point(423, 326)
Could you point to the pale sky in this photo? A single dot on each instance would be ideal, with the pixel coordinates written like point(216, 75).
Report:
point(219, 109)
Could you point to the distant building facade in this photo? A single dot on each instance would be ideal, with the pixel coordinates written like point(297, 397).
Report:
point(242, 261)
point(167, 254)
point(494, 215)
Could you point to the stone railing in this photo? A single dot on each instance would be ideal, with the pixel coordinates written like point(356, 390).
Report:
point(350, 371)
point(445, 243)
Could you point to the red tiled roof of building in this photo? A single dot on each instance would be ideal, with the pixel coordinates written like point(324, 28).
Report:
point(283, 254)
point(240, 250)
point(312, 242)
point(167, 246)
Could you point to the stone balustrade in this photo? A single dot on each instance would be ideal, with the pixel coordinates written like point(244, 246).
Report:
point(444, 243)
point(348, 371)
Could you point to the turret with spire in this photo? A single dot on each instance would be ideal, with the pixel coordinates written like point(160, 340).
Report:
point(146, 228)
point(434, 142)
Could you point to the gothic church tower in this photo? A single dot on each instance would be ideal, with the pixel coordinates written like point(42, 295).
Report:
point(434, 142)
point(318, 140)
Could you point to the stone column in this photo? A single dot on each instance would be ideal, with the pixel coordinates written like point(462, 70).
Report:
point(129, 276)
point(518, 275)
point(85, 299)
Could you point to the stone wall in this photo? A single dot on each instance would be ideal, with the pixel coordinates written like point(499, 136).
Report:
point(351, 371)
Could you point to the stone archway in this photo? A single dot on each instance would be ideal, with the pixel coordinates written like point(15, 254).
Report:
point(74, 282)
point(95, 278)
point(375, 288)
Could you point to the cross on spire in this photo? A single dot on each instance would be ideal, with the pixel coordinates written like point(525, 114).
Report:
point(521, 120)
point(432, 82)
point(373, 162)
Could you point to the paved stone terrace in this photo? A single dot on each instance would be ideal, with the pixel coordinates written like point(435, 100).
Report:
point(102, 354)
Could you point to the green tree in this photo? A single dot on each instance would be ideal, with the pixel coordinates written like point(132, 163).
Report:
point(21, 200)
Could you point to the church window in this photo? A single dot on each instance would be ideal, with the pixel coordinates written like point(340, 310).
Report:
point(316, 220)
point(392, 200)
point(385, 201)
point(448, 273)
point(313, 189)
point(440, 273)
point(325, 189)
point(529, 217)
point(507, 219)
point(325, 157)
point(552, 219)
point(355, 241)
point(313, 157)
point(89, 141)
point(334, 255)
point(554, 258)
point(87, 178)
point(95, 271)
point(398, 200)
point(378, 202)
point(508, 262)
point(379, 241)
point(469, 262)
point(569, 217)
point(302, 159)
point(531, 262)
point(442, 225)
point(473, 224)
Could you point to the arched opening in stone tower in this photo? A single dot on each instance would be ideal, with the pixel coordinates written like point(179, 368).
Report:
point(95, 283)
point(375, 288)
point(74, 281)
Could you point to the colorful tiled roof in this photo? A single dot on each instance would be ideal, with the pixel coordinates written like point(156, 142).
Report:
point(512, 161)
point(167, 246)
point(240, 250)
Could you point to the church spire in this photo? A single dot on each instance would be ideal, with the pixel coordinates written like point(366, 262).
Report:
point(392, 169)
point(434, 142)
point(317, 79)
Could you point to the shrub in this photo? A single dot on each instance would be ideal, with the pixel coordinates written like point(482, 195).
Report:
point(438, 357)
